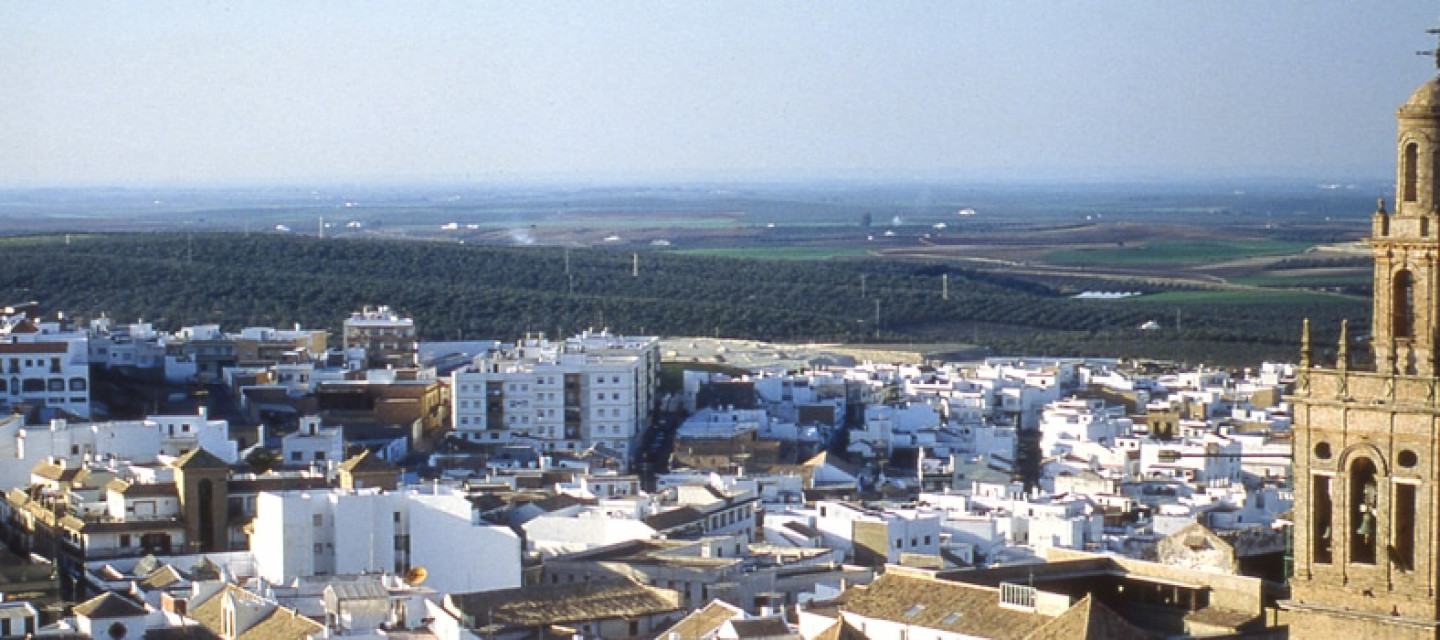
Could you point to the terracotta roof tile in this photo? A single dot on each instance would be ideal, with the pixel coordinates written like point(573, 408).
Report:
point(109, 605)
point(942, 605)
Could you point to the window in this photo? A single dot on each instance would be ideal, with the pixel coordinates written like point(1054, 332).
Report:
point(1403, 527)
point(317, 519)
point(1403, 305)
point(1410, 165)
point(319, 455)
point(296, 456)
point(124, 541)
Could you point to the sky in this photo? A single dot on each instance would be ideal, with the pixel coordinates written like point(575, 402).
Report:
point(197, 93)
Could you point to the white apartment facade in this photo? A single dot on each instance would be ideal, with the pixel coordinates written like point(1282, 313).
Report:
point(50, 374)
point(594, 389)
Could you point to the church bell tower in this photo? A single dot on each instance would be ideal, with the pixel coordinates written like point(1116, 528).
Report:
point(1405, 244)
point(1367, 443)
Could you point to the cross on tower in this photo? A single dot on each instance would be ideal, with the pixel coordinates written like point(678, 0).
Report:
point(1436, 51)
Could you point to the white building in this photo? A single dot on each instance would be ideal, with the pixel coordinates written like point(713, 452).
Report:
point(46, 374)
point(126, 345)
point(306, 533)
point(1066, 423)
point(312, 444)
point(593, 389)
point(581, 527)
point(134, 441)
point(870, 535)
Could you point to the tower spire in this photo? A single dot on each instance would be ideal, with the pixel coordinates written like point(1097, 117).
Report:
point(1342, 353)
point(1305, 345)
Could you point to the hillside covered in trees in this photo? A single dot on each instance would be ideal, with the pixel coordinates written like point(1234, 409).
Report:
point(457, 291)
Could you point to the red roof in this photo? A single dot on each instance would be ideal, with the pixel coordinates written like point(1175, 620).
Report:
point(34, 347)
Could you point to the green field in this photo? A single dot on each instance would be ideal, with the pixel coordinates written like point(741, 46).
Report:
point(776, 253)
point(1350, 280)
point(1175, 252)
point(1237, 297)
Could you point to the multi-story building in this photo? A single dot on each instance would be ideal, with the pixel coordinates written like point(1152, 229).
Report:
point(135, 345)
point(54, 375)
point(387, 338)
point(339, 531)
point(593, 389)
point(313, 444)
point(200, 353)
point(264, 346)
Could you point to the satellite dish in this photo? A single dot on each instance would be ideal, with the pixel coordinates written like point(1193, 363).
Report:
point(416, 575)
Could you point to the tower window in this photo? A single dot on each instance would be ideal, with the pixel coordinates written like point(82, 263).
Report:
point(1411, 165)
point(1407, 459)
point(1320, 520)
point(1403, 544)
point(1402, 300)
point(1364, 495)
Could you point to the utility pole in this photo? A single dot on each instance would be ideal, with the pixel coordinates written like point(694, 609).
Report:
point(877, 318)
point(862, 286)
point(634, 265)
point(945, 286)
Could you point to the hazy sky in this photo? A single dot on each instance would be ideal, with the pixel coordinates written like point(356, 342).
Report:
point(198, 92)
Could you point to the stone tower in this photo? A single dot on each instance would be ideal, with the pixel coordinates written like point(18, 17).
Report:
point(202, 481)
point(1404, 244)
point(1366, 451)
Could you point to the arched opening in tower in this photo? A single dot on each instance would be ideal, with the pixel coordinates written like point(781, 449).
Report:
point(1320, 522)
point(1411, 165)
point(1402, 297)
point(207, 521)
point(1363, 523)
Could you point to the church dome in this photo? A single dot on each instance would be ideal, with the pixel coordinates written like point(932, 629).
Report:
point(1426, 98)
